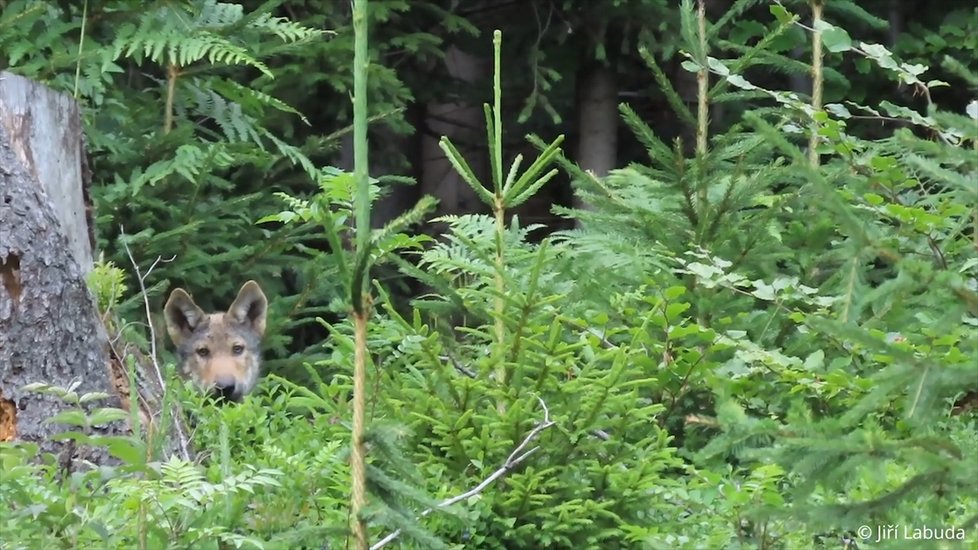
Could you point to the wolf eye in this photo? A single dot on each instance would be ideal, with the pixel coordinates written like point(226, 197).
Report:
point(237, 349)
point(203, 352)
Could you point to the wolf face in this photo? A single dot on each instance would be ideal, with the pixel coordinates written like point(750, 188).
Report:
point(221, 352)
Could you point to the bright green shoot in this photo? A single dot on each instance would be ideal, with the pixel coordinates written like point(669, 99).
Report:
point(513, 190)
point(506, 193)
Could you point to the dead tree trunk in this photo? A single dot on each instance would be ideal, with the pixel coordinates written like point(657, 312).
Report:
point(49, 328)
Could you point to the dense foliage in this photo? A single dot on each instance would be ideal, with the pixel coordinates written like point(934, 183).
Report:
point(745, 341)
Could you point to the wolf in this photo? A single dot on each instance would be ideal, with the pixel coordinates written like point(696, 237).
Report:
point(220, 352)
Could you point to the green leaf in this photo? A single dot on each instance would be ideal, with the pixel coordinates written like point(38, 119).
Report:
point(106, 415)
point(128, 450)
point(815, 361)
point(873, 199)
point(93, 396)
point(690, 66)
point(717, 66)
point(675, 310)
point(836, 39)
point(73, 417)
point(674, 292)
point(763, 290)
point(838, 110)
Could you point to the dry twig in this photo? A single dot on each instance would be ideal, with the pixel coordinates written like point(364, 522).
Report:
point(182, 439)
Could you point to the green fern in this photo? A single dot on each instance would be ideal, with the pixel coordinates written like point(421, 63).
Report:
point(180, 36)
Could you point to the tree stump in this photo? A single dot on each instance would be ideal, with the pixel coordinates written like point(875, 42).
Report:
point(49, 327)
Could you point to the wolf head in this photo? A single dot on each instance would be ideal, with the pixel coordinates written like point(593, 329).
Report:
point(221, 352)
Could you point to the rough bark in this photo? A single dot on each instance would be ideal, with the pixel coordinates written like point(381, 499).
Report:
point(53, 138)
point(49, 328)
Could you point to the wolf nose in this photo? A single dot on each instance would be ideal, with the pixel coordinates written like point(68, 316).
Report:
point(225, 387)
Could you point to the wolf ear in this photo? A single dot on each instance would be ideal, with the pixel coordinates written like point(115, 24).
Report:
point(249, 307)
point(182, 315)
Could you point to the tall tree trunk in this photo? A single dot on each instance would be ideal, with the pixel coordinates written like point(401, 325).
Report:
point(49, 328)
point(597, 121)
point(895, 16)
point(464, 124)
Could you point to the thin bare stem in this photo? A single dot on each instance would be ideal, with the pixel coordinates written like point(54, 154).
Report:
point(703, 83)
point(182, 439)
point(358, 285)
point(171, 91)
point(81, 48)
point(358, 471)
point(816, 79)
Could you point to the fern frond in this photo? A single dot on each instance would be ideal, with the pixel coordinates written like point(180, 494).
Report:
point(182, 35)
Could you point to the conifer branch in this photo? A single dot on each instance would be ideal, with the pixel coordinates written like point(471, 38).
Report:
point(517, 456)
point(499, 212)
